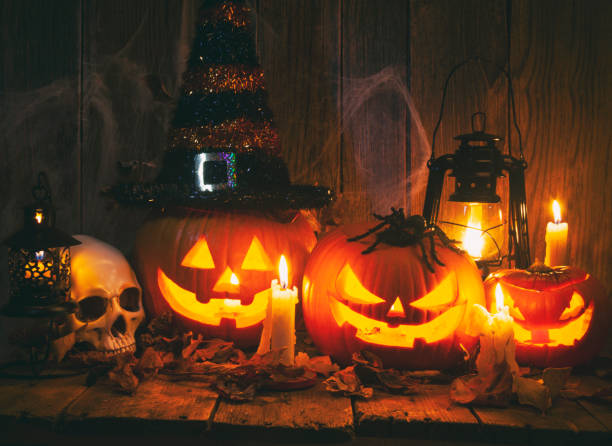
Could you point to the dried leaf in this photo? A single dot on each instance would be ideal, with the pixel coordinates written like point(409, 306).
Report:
point(162, 325)
point(233, 390)
point(555, 379)
point(533, 392)
point(191, 347)
point(123, 375)
point(319, 364)
point(149, 363)
point(346, 382)
point(367, 358)
point(491, 389)
point(283, 381)
point(216, 350)
point(271, 358)
point(430, 376)
point(396, 382)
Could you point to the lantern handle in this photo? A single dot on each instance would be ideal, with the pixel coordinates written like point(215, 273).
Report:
point(42, 190)
point(511, 98)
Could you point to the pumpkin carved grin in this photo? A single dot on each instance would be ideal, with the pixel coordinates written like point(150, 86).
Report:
point(186, 303)
point(393, 333)
point(402, 335)
point(568, 334)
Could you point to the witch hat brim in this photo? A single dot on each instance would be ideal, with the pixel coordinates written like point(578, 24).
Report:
point(217, 179)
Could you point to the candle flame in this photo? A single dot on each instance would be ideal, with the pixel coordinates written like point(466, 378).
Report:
point(556, 212)
point(38, 216)
point(231, 302)
point(283, 272)
point(234, 281)
point(40, 255)
point(499, 298)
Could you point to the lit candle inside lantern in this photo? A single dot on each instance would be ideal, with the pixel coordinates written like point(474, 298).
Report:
point(556, 239)
point(279, 326)
point(473, 241)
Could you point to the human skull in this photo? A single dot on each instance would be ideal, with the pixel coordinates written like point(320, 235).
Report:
point(108, 297)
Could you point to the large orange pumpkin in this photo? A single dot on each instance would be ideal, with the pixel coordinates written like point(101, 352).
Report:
point(388, 301)
point(561, 314)
point(213, 268)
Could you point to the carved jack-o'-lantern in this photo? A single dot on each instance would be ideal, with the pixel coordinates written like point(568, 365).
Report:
point(561, 314)
point(388, 301)
point(213, 268)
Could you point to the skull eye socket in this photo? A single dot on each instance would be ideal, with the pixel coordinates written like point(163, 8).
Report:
point(91, 308)
point(129, 299)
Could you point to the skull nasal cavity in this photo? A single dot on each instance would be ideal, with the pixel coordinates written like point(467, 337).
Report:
point(119, 326)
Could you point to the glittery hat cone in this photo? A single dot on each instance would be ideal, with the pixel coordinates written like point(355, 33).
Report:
point(223, 150)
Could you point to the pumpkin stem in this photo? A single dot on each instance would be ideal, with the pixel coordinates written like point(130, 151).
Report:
point(541, 268)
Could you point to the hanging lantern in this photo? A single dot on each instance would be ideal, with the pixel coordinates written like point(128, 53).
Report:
point(39, 261)
point(488, 229)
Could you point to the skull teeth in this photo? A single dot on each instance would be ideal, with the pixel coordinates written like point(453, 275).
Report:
point(117, 351)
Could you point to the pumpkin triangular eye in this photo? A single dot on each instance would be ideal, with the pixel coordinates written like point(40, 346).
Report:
point(256, 258)
point(228, 282)
point(352, 290)
point(397, 309)
point(199, 256)
point(443, 294)
point(574, 308)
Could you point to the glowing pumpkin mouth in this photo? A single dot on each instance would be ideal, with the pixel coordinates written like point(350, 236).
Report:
point(403, 335)
point(567, 335)
point(184, 302)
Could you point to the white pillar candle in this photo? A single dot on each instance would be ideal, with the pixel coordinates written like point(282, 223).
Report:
point(496, 333)
point(556, 239)
point(283, 322)
point(279, 326)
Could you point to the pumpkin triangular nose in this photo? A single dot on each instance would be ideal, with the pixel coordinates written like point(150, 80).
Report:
point(397, 309)
point(228, 282)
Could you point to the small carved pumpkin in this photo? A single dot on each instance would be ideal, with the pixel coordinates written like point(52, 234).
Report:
point(561, 314)
point(388, 301)
point(213, 268)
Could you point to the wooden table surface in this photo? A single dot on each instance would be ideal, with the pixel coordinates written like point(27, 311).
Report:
point(64, 410)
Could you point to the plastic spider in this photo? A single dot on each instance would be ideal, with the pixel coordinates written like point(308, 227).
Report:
point(407, 231)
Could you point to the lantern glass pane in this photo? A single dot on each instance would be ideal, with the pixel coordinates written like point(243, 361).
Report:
point(481, 228)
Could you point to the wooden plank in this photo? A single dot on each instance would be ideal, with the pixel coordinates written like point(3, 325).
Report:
point(442, 34)
point(374, 85)
point(298, 49)
point(40, 400)
point(562, 65)
point(566, 421)
point(308, 415)
point(161, 405)
point(428, 414)
point(39, 103)
point(600, 411)
point(133, 52)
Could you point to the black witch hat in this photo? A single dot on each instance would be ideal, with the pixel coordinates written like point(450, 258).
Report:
point(224, 150)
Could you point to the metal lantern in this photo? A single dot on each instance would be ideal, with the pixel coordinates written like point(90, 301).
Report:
point(474, 214)
point(39, 261)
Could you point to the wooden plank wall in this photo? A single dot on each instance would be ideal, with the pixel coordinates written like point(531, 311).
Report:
point(87, 84)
